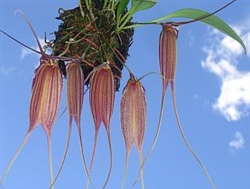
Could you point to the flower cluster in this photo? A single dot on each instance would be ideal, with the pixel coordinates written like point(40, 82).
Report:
point(90, 49)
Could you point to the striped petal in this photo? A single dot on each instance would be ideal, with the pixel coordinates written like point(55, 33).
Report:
point(52, 91)
point(133, 114)
point(37, 96)
point(167, 60)
point(133, 110)
point(167, 49)
point(75, 95)
point(45, 96)
point(102, 95)
point(75, 88)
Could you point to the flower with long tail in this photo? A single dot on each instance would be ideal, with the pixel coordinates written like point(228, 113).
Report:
point(45, 98)
point(102, 96)
point(75, 97)
point(133, 111)
point(168, 63)
point(44, 105)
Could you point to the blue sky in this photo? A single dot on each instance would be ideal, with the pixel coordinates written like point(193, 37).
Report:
point(212, 92)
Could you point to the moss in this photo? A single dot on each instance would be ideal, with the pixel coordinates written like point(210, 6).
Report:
point(92, 39)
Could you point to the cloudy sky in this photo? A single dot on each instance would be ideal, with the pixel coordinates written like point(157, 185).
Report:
point(212, 92)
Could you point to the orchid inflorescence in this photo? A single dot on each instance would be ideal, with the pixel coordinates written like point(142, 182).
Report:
point(90, 50)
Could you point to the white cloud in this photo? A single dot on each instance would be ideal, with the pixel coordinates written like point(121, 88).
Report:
point(223, 56)
point(7, 70)
point(234, 99)
point(237, 142)
point(26, 52)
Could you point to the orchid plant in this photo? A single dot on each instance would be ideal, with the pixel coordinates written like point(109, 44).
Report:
point(90, 50)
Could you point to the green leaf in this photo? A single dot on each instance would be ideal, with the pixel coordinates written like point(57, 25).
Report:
point(136, 5)
point(121, 7)
point(139, 5)
point(212, 20)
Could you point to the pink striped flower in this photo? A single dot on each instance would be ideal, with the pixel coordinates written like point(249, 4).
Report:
point(102, 96)
point(133, 118)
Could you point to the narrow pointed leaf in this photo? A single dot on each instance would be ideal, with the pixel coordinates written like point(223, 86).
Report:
point(139, 5)
point(212, 20)
point(122, 6)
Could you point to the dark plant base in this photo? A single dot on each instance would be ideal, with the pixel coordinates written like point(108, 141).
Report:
point(92, 37)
